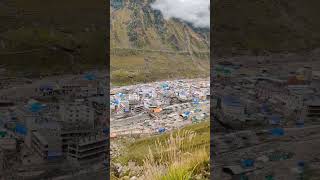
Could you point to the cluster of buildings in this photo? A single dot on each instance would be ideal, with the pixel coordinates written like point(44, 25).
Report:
point(267, 100)
point(266, 122)
point(260, 155)
point(55, 121)
point(159, 106)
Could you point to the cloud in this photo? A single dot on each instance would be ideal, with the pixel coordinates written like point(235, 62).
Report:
point(196, 12)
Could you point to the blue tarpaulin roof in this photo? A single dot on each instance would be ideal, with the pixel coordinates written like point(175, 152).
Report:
point(187, 113)
point(36, 107)
point(277, 132)
point(247, 163)
point(164, 85)
point(162, 130)
point(264, 108)
point(301, 163)
point(89, 76)
point(21, 129)
point(275, 119)
point(116, 101)
point(300, 123)
point(106, 130)
point(54, 153)
point(121, 95)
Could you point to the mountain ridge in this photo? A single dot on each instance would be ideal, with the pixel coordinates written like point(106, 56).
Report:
point(135, 25)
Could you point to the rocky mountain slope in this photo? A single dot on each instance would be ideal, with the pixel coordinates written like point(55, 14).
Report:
point(146, 47)
point(134, 24)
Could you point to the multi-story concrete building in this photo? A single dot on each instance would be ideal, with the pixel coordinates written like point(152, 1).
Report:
point(47, 144)
point(88, 149)
point(313, 109)
point(71, 132)
point(78, 111)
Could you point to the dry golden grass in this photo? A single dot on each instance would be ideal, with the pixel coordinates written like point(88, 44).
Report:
point(180, 154)
point(177, 159)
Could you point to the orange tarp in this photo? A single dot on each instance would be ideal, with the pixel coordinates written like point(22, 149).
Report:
point(113, 135)
point(157, 110)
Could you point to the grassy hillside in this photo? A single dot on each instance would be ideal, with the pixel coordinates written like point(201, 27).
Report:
point(152, 66)
point(260, 25)
point(53, 35)
point(182, 153)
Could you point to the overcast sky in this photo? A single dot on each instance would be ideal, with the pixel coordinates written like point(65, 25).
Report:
point(196, 12)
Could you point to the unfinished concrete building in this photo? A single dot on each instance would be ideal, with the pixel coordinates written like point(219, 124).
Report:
point(88, 149)
point(70, 133)
point(46, 145)
point(313, 109)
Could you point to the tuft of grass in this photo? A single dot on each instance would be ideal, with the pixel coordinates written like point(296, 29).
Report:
point(177, 158)
point(137, 150)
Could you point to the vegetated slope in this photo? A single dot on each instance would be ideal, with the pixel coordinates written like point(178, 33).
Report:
point(173, 151)
point(52, 36)
point(255, 26)
point(146, 47)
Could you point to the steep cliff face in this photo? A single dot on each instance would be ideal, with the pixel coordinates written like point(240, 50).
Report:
point(134, 24)
point(255, 26)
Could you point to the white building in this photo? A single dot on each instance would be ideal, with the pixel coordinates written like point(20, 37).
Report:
point(78, 111)
point(47, 143)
